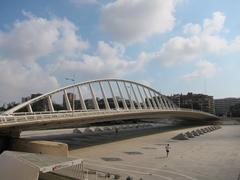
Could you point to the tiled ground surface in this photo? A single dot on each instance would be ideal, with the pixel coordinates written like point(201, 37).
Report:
point(212, 156)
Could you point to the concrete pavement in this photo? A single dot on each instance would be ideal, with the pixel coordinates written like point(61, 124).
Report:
point(214, 155)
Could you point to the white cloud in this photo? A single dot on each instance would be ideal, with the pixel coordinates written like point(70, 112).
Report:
point(215, 24)
point(134, 20)
point(56, 43)
point(199, 40)
point(179, 49)
point(17, 80)
point(204, 69)
point(28, 42)
point(234, 46)
point(107, 62)
point(192, 28)
point(37, 37)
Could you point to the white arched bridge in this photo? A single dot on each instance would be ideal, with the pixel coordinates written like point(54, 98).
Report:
point(94, 101)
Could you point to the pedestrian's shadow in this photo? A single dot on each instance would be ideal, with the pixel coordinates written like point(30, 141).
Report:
point(161, 157)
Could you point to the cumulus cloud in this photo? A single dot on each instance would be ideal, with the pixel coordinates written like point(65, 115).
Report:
point(209, 26)
point(37, 37)
point(179, 49)
point(204, 69)
point(28, 42)
point(18, 80)
point(130, 21)
point(36, 51)
point(200, 39)
point(192, 28)
point(234, 45)
point(215, 24)
point(108, 61)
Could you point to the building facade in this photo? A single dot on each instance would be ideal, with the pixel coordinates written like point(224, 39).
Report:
point(222, 106)
point(41, 105)
point(200, 102)
point(71, 98)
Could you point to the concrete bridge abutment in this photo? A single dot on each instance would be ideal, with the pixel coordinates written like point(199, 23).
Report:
point(4, 143)
point(33, 146)
point(39, 147)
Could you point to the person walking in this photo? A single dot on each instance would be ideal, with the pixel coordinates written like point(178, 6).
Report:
point(167, 148)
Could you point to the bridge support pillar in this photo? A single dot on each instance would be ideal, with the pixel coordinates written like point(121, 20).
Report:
point(4, 143)
point(6, 137)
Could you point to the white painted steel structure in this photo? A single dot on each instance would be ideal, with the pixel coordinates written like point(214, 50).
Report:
point(124, 100)
point(153, 99)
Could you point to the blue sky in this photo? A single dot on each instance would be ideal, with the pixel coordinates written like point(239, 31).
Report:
point(175, 46)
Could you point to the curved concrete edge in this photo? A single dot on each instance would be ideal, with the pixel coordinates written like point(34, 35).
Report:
point(206, 129)
point(189, 134)
point(213, 128)
point(218, 127)
point(77, 131)
point(142, 125)
point(88, 130)
point(40, 147)
point(203, 130)
point(210, 128)
point(123, 127)
point(97, 129)
point(200, 132)
point(195, 133)
point(107, 129)
point(180, 136)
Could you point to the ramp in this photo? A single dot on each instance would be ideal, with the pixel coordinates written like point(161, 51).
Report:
point(31, 166)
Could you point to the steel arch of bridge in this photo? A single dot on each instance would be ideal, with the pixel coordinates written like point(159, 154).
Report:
point(139, 96)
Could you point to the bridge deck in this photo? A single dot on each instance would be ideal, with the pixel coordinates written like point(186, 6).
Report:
point(71, 119)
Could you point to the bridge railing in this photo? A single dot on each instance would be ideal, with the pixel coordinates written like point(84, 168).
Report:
point(82, 111)
point(30, 117)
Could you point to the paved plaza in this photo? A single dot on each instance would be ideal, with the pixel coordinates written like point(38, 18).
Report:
point(212, 156)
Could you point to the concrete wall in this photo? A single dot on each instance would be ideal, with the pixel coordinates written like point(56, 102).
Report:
point(4, 143)
point(11, 167)
point(43, 147)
